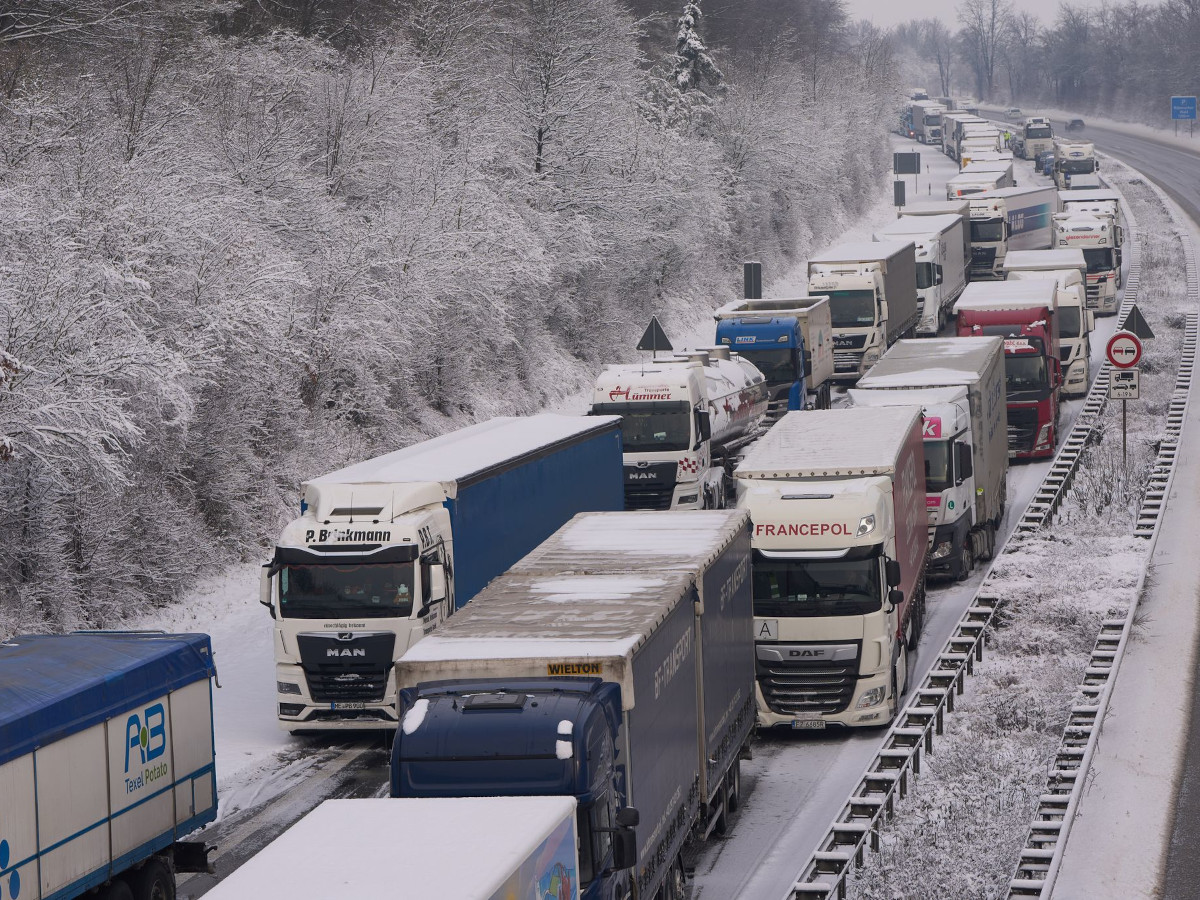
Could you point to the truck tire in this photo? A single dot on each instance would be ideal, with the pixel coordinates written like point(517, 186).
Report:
point(116, 890)
point(965, 558)
point(989, 541)
point(675, 887)
point(735, 785)
point(153, 881)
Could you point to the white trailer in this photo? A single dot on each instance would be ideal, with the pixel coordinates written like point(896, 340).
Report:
point(1016, 218)
point(941, 263)
point(959, 383)
point(466, 848)
point(1074, 158)
point(681, 419)
point(1099, 237)
point(968, 184)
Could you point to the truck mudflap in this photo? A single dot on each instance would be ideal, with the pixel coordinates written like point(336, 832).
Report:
point(192, 856)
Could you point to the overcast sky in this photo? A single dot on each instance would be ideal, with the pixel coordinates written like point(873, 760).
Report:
point(886, 13)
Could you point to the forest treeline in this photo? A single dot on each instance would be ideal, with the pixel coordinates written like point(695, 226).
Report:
point(1121, 58)
point(249, 241)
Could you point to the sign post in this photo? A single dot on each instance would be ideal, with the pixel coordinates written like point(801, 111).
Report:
point(1184, 108)
point(907, 164)
point(1124, 351)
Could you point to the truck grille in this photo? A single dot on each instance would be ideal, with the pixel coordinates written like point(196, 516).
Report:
point(346, 681)
point(649, 496)
point(1065, 352)
point(354, 667)
point(1093, 295)
point(846, 361)
point(793, 688)
point(776, 409)
point(1022, 429)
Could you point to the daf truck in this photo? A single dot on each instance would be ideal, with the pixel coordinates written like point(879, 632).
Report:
point(959, 385)
point(1016, 218)
point(106, 763)
point(476, 848)
point(1024, 314)
point(613, 665)
point(790, 340)
point(1073, 158)
point(1075, 321)
point(872, 290)
point(941, 264)
point(386, 549)
point(1099, 237)
point(682, 418)
point(837, 503)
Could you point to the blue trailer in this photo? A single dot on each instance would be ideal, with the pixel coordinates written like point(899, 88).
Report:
point(790, 340)
point(613, 664)
point(106, 763)
point(387, 549)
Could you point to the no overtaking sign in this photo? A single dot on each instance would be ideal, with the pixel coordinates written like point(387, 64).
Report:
point(1124, 350)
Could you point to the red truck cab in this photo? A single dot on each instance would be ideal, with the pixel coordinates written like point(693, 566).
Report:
point(1023, 313)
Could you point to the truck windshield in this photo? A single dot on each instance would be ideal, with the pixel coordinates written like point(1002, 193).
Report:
point(1078, 166)
point(366, 590)
point(1068, 321)
point(651, 427)
point(937, 466)
point(851, 309)
point(778, 364)
point(1025, 376)
point(987, 232)
point(1037, 131)
point(849, 586)
point(933, 120)
point(1099, 259)
point(924, 275)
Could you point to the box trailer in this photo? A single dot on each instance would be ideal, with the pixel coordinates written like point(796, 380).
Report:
point(106, 762)
point(941, 263)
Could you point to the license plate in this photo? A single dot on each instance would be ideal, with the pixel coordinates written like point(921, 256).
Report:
point(808, 724)
point(349, 704)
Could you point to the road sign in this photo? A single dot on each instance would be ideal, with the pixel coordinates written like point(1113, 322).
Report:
point(1183, 107)
point(1137, 323)
point(1124, 350)
point(906, 163)
point(655, 338)
point(1125, 384)
point(897, 193)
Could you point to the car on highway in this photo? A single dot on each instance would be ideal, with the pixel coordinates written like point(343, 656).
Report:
point(1075, 125)
point(1014, 112)
point(1043, 163)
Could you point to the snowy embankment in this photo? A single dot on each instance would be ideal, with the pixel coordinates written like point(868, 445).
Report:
point(959, 832)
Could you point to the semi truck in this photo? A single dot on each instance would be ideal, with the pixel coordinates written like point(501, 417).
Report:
point(1099, 237)
point(968, 184)
point(386, 549)
point(954, 125)
point(872, 290)
point(925, 118)
point(1023, 313)
point(1016, 218)
point(1036, 136)
point(960, 207)
point(476, 848)
point(1075, 321)
point(613, 664)
point(959, 384)
point(941, 263)
point(681, 419)
point(837, 502)
point(1073, 158)
point(790, 340)
point(106, 763)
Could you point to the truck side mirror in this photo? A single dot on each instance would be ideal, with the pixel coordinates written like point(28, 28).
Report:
point(963, 462)
point(624, 844)
point(895, 599)
point(437, 583)
point(1091, 321)
point(629, 817)
point(893, 572)
point(264, 587)
point(703, 426)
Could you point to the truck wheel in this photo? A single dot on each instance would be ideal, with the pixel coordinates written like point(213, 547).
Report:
point(674, 888)
point(989, 541)
point(117, 890)
point(735, 785)
point(963, 571)
point(153, 881)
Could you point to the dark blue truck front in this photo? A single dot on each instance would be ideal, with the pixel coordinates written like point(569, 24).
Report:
point(776, 346)
point(523, 737)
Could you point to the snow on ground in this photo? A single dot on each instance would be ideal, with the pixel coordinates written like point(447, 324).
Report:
point(1164, 135)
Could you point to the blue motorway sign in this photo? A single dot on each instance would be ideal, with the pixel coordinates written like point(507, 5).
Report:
point(1183, 107)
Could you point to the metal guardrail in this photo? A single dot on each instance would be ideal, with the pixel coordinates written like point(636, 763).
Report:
point(1041, 859)
point(873, 800)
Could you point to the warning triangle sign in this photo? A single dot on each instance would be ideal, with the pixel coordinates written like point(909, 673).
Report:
point(1136, 323)
point(655, 338)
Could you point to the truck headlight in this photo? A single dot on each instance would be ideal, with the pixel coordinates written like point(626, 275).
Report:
point(690, 498)
point(865, 526)
point(873, 697)
point(286, 687)
point(291, 709)
point(1043, 438)
point(941, 551)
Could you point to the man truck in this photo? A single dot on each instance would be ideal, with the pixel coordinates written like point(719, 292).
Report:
point(941, 264)
point(1023, 313)
point(613, 665)
point(476, 848)
point(837, 503)
point(1017, 218)
point(959, 384)
point(386, 549)
point(106, 763)
point(681, 419)
point(790, 340)
point(872, 290)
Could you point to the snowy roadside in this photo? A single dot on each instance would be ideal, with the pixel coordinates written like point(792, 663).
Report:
point(959, 832)
point(1136, 129)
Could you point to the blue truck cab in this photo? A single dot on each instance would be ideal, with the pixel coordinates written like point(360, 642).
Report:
point(524, 737)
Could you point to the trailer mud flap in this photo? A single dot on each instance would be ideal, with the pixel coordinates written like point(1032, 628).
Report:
point(192, 856)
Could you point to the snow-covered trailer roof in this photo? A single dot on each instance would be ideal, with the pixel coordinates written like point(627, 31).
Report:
point(460, 847)
point(860, 251)
point(988, 295)
point(919, 225)
point(471, 452)
point(831, 443)
point(52, 686)
point(645, 542)
point(933, 362)
point(1061, 258)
